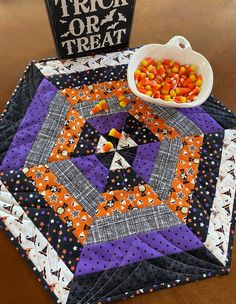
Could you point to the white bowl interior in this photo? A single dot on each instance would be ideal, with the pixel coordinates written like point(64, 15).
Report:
point(183, 56)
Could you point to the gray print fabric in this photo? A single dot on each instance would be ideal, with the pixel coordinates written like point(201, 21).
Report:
point(80, 188)
point(165, 167)
point(132, 222)
point(175, 119)
point(51, 128)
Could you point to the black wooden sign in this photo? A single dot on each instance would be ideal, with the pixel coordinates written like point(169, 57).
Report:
point(82, 27)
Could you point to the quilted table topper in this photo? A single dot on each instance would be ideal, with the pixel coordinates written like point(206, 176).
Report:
point(154, 212)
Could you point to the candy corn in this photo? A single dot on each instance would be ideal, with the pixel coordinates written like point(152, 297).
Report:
point(144, 69)
point(199, 80)
point(146, 61)
point(182, 70)
point(120, 95)
point(104, 105)
point(142, 75)
point(192, 97)
point(151, 76)
point(96, 109)
point(142, 82)
point(107, 147)
point(149, 93)
point(182, 91)
point(180, 99)
point(192, 85)
point(124, 102)
point(157, 95)
point(141, 87)
point(166, 79)
point(166, 62)
point(175, 68)
point(115, 133)
point(161, 70)
point(172, 93)
point(191, 68)
point(165, 97)
point(195, 91)
point(137, 75)
point(190, 79)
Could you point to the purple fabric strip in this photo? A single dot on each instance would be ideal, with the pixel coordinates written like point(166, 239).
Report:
point(105, 123)
point(144, 161)
point(93, 170)
point(129, 250)
point(29, 127)
point(202, 119)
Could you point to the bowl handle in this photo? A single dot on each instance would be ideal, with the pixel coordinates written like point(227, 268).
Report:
point(177, 40)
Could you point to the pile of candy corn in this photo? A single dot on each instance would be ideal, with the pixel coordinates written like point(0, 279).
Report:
point(101, 106)
point(168, 80)
point(109, 145)
point(123, 101)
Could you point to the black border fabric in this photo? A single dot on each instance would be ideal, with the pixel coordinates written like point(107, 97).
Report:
point(219, 112)
point(17, 107)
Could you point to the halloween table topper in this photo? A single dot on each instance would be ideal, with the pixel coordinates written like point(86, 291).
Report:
point(110, 203)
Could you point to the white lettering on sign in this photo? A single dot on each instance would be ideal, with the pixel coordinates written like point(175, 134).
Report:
point(92, 42)
point(119, 35)
point(63, 7)
point(86, 6)
point(92, 24)
point(77, 26)
point(68, 44)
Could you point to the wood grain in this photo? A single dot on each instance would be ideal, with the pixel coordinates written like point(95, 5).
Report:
point(26, 35)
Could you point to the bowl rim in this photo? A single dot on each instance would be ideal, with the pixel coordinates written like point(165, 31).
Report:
point(161, 102)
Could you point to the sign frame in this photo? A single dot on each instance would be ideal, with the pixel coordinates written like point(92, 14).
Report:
point(56, 30)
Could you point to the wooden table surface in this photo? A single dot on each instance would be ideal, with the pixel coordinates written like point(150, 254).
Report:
point(25, 35)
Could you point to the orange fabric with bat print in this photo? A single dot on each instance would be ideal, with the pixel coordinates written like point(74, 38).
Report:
point(141, 196)
point(69, 136)
point(143, 113)
point(93, 92)
point(186, 173)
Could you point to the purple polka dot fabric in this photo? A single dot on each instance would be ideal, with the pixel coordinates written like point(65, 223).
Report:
point(29, 127)
point(145, 246)
point(106, 123)
point(94, 171)
point(143, 164)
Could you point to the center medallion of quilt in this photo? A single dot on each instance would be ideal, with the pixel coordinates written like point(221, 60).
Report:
point(122, 165)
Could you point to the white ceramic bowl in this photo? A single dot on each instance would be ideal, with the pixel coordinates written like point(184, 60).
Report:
point(184, 55)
